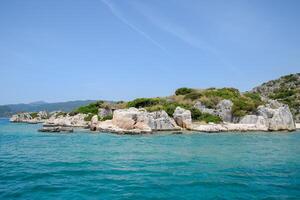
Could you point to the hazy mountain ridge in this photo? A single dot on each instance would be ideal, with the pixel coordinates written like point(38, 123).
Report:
point(68, 106)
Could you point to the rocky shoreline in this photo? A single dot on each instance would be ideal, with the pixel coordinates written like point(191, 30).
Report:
point(272, 116)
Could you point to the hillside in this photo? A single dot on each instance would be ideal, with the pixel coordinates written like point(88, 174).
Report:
point(286, 89)
point(8, 110)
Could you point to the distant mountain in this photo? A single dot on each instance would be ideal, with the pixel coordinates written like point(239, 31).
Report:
point(8, 110)
point(285, 89)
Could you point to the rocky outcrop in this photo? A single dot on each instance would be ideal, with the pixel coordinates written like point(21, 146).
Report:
point(67, 120)
point(223, 109)
point(30, 117)
point(200, 106)
point(94, 122)
point(133, 121)
point(260, 122)
point(182, 117)
point(278, 116)
point(226, 127)
point(274, 116)
point(104, 112)
point(286, 90)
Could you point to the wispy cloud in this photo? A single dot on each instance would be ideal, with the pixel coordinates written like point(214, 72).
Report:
point(180, 32)
point(118, 14)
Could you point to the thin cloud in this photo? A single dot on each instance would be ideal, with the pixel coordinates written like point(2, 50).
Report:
point(178, 31)
point(117, 13)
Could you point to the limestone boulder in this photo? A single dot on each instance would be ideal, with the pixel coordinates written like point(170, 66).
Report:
point(224, 110)
point(94, 123)
point(104, 112)
point(183, 117)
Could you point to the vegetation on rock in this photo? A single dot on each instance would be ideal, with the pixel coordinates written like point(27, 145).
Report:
point(34, 115)
point(286, 90)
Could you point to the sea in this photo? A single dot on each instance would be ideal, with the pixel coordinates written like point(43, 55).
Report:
point(86, 165)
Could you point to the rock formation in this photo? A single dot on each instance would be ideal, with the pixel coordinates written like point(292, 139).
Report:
point(274, 116)
point(30, 117)
point(133, 121)
point(223, 109)
point(104, 112)
point(77, 120)
point(182, 117)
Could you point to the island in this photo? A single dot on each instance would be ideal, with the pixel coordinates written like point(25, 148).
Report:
point(273, 106)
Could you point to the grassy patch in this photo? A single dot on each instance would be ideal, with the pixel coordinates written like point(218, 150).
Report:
point(34, 115)
point(91, 108)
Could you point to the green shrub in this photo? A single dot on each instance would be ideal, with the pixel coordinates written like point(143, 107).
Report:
point(34, 115)
point(197, 115)
point(183, 91)
point(108, 117)
point(144, 102)
point(193, 95)
point(61, 114)
point(282, 93)
point(90, 108)
point(290, 78)
point(88, 117)
point(242, 106)
point(224, 93)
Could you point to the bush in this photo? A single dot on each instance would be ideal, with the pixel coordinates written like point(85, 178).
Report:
point(34, 115)
point(242, 106)
point(224, 93)
point(90, 108)
point(183, 91)
point(88, 117)
point(144, 102)
point(108, 117)
point(282, 93)
point(61, 114)
point(206, 117)
point(193, 95)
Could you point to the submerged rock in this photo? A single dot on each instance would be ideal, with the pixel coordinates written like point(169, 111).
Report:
point(56, 129)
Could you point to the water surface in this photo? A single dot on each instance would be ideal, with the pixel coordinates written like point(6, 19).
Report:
point(82, 165)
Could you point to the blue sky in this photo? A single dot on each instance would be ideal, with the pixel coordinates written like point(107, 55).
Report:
point(60, 50)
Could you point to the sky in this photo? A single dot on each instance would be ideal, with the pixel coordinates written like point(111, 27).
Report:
point(60, 50)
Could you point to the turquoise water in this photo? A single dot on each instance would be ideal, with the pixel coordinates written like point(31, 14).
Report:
point(82, 165)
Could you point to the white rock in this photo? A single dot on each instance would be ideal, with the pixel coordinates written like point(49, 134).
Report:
point(182, 117)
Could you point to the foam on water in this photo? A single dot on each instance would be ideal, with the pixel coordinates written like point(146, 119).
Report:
point(82, 165)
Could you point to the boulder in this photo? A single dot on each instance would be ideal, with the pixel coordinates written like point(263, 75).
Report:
point(260, 122)
point(182, 117)
point(139, 120)
point(282, 120)
point(68, 120)
point(223, 110)
point(200, 106)
point(104, 112)
point(94, 123)
point(278, 116)
point(160, 121)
